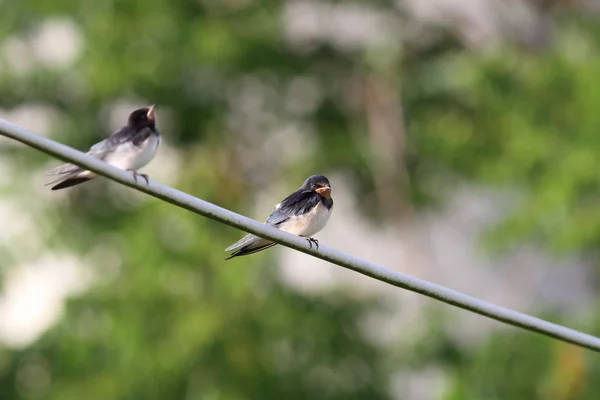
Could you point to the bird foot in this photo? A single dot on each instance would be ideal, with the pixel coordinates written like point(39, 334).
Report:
point(135, 176)
point(311, 241)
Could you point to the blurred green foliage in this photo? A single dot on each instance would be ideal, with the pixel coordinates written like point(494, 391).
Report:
point(166, 318)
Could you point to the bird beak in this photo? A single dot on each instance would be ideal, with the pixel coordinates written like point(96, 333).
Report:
point(150, 114)
point(324, 191)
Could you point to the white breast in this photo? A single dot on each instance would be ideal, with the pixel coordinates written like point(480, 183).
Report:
point(130, 157)
point(308, 224)
point(147, 153)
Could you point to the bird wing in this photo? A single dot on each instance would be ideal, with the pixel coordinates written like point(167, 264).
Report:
point(100, 149)
point(112, 143)
point(63, 169)
point(96, 151)
point(298, 203)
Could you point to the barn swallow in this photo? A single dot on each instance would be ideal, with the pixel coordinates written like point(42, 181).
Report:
point(304, 213)
point(130, 148)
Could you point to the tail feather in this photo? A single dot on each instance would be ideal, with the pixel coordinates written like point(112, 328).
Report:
point(243, 242)
point(69, 182)
point(62, 178)
point(246, 251)
point(249, 244)
point(75, 177)
point(64, 169)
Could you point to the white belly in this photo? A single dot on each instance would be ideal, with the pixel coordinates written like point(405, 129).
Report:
point(129, 157)
point(308, 224)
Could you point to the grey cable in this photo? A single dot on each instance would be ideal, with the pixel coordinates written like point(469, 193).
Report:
point(334, 256)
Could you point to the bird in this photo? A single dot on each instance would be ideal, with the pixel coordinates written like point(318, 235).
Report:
point(129, 148)
point(304, 213)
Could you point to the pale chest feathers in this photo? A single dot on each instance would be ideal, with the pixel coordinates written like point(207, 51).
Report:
point(130, 157)
point(308, 224)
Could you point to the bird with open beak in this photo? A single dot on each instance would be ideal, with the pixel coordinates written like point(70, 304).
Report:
point(130, 148)
point(304, 213)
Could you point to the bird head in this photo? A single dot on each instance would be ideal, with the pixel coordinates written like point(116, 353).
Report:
point(142, 117)
point(318, 184)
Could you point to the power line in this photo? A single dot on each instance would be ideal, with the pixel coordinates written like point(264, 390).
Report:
point(334, 256)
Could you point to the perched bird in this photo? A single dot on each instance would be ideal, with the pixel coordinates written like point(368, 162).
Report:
point(304, 213)
point(129, 148)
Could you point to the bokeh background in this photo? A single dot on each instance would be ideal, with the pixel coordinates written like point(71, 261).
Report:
point(461, 138)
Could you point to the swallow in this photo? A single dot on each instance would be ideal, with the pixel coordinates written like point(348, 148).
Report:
point(304, 213)
point(130, 148)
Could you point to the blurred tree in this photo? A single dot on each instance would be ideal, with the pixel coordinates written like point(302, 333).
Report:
point(165, 318)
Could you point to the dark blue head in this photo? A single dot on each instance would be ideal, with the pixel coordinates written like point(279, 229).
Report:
point(142, 118)
point(317, 184)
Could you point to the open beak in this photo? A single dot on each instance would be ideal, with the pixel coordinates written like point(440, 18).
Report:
point(324, 191)
point(150, 114)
